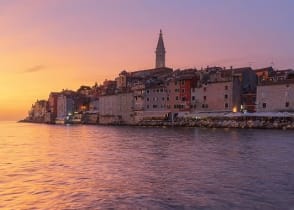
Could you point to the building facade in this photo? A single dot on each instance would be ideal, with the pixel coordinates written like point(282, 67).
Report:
point(275, 96)
point(65, 106)
point(223, 96)
point(116, 108)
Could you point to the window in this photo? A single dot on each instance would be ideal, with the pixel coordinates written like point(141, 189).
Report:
point(157, 90)
point(287, 104)
point(147, 106)
point(204, 89)
point(163, 98)
point(226, 96)
point(167, 98)
point(264, 105)
point(147, 91)
point(183, 82)
point(183, 90)
point(226, 105)
point(184, 99)
point(177, 98)
point(204, 97)
point(193, 90)
point(193, 98)
point(161, 90)
point(226, 87)
point(154, 106)
point(147, 99)
point(203, 105)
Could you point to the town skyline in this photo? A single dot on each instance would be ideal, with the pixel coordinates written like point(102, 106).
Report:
point(49, 53)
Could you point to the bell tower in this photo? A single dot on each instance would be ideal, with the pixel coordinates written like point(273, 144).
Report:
point(160, 52)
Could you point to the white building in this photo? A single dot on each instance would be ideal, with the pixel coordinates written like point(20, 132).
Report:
point(65, 106)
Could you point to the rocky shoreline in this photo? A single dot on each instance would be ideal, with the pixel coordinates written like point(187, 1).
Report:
point(245, 122)
point(228, 122)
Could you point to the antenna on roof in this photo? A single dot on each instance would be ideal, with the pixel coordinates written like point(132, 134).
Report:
point(272, 62)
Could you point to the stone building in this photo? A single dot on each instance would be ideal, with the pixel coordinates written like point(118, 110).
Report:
point(116, 108)
point(52, 108)
point(275, 96)
point(38, 111)
point(220, 96)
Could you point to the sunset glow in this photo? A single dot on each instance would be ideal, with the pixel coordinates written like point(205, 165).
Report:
point(53, 45)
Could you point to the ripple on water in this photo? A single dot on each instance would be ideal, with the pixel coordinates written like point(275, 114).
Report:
point(78, 167)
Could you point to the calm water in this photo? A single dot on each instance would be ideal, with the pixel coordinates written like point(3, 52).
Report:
point(93, 167)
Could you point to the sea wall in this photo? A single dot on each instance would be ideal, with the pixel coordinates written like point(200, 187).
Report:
point(227, 122)
point(258, 122)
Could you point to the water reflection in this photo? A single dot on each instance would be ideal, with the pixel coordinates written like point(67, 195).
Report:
point(59, 167)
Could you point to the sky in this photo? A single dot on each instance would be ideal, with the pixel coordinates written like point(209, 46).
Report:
point(50, 45)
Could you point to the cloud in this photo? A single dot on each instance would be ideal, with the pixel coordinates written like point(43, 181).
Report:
point(34, 69)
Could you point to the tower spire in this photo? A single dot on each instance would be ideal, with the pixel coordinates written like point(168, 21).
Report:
point(160, 52)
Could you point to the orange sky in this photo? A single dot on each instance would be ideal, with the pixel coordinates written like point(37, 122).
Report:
point(50, 45)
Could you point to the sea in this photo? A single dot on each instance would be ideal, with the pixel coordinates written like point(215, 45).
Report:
point(121, 167)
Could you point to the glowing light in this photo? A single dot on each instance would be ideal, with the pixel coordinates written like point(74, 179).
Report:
point(234, 109)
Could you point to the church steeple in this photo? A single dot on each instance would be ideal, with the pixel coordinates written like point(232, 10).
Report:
point(160, 52)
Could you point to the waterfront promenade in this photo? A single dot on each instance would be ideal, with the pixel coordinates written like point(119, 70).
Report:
point(211, 120)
